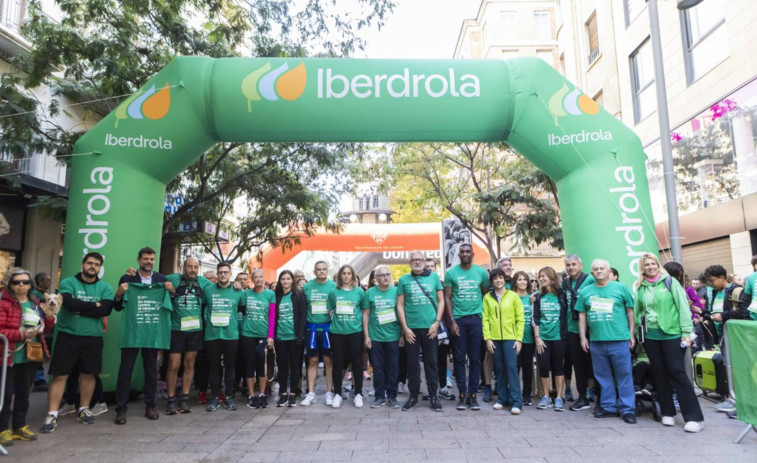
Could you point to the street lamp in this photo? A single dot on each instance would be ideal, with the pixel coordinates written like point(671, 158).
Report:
point(664, 120)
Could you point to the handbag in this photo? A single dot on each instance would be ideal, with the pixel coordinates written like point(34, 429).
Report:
point(34, 351)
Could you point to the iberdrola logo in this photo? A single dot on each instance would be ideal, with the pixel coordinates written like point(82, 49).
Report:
point(151, 104)
point(272, 85)
point(574, 102)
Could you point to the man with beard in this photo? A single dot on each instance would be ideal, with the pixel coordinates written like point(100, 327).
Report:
point(86, 300)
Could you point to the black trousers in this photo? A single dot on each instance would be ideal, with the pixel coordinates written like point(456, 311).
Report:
point(125, 370)
point(202, 370)
point(666, 358)
point(430, 348)
point(581, 363)
point(442, 357)
point(288, 360)
point(402, 377)
point(526, 363)
point(18, 386)
point(347, 348)
point(221, 350)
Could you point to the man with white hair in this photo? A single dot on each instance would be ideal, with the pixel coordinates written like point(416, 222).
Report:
point(606, 307)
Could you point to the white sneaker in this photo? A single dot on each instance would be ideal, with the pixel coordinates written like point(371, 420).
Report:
point(668, 421)
point(358, 401)
point(309, 399)
point(515, 411)
point(66, 410)
point(337, 402)
point(98, 409)
point(498, 406)
point(726, 406)
point(329, 398)
point(372, 393)
point(693, 426)
point(275, 388)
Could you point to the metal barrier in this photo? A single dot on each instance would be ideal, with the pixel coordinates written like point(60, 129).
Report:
point(729, 371)
point(2, 381)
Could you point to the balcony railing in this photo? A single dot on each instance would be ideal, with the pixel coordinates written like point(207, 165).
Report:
point(594, 54)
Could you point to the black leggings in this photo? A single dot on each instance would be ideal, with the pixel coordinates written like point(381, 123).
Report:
point(290, 366)
point(526, 362)
point(18, 385)
point(253, 351)
point(218, 349)
point(347, 347)
point(403, 366)
point(581, 363)
point(552, 359)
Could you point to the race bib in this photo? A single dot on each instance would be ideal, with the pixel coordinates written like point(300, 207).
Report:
point(386, 316)
point(344, 308)
point(319, 308)
point(717, 306)
point(190, 323)
point(601, 305)
point(220, 319)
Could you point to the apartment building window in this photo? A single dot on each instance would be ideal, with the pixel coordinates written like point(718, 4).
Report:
point(632, 9)
point(705, 41)
point(542, 25)
point(592, 35)
point(642, 81)
point(12, 13)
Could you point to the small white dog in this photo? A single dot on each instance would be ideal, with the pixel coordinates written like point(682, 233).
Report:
point(52, 304)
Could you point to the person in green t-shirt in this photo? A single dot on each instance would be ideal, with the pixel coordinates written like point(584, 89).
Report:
point(420, 307)
point(382, 334)
point(550, 326)
point(606, 309)
point(79, 340)
point(289, 333)
point(316, 337)
point(186, 332)
point(21, 321)
point(222, 303)
point(522, 285)
point(345, 305)
point(256, 335)
point(464, 287)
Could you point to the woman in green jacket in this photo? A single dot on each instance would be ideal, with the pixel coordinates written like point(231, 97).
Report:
point(662, 313)
point(503, 323)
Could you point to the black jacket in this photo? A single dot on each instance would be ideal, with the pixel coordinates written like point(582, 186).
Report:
point(563, 299)
point(156, 278)
point(733, 311)
point(571, 292)
point(300, 309)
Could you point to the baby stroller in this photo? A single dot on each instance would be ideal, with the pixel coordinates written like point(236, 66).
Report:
point(646, 396)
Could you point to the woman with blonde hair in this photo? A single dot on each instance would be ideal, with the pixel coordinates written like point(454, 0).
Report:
point(662, 312)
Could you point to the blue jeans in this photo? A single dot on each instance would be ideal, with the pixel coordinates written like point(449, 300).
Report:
point(506, 371)
point(608, 358)
point(385, 360)
point(468, 342)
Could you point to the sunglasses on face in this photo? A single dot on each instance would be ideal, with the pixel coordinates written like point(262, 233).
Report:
point(20, 282)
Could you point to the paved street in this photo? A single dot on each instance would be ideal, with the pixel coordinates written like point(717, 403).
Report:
point(319, 433)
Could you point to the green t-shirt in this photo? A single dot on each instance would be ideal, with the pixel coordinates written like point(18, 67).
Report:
point(221, 308)
point(30, 319)
point(285, 318)
point(750, 289)
point(187, 308)
point(383, 324)
point(346, 312)
point(466, 289)
point(528, 330)
point(573, 324)
point(606, 311)
point(38, 294)
point(71, 323)
point(549, 322)
point(317, 295)
point(146, 316)
point(420, 313)
point(255, 323)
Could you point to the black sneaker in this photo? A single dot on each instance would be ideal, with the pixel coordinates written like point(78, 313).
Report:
point(580, 404)
point(292, 401)
point(473, 403)
point(283, 401)
point(85, 416)
point(184, 404)
point(212, 404)
point(171, 406)
point(426, 396)
point(527, 401)
point(411, 402)
point(252, 402)
point(445, 394)
point(262, 401)
point(462, 404)
point(435, 404)
point(229, 404)
point(600, 412)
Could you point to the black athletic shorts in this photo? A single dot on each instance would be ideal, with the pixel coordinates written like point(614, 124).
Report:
point(187, 341)
point(253, 352)
point(319, 350)
point(71, 351)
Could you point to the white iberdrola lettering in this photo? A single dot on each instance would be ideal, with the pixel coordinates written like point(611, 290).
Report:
point(580, 137)
point(138, 142)
point(404, 85)
point(632, 230)
point(95, 229)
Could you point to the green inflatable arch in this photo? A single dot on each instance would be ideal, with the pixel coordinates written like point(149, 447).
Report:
point(122, 165)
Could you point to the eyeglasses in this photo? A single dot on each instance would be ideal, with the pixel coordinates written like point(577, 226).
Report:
point(20, 282)
point(383, 274)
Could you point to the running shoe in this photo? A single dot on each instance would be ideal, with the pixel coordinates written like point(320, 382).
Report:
point(392, 403)
point(728, 405)
point(252, 402)
point(24, 433)
point(6, 438)
point(473, 403)
point(499, 406)
point(446, 394)
point(229, 404)
point(515, 411)
point(212, 405)
point(99, 409)
point(379, 402)
point(462, 404)
point(568, 394)
point(580, 404)
point(337, 402)
point(283, 401)
point(668, 421)
point(309, 399)
point(435, 404)
point(49, 425)
point(202, 397)
point(67, 409)
point(358, 401)
point(544, 403)
point(292, 402)
point(559, 405)
point(85, 416)
point(329, 398)
point(693, 426)
point(263, 401)
point(184, 404)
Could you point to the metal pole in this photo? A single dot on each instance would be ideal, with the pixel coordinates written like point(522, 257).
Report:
point(665, 146)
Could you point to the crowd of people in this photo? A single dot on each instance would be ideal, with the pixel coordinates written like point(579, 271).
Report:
point(501, 327)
